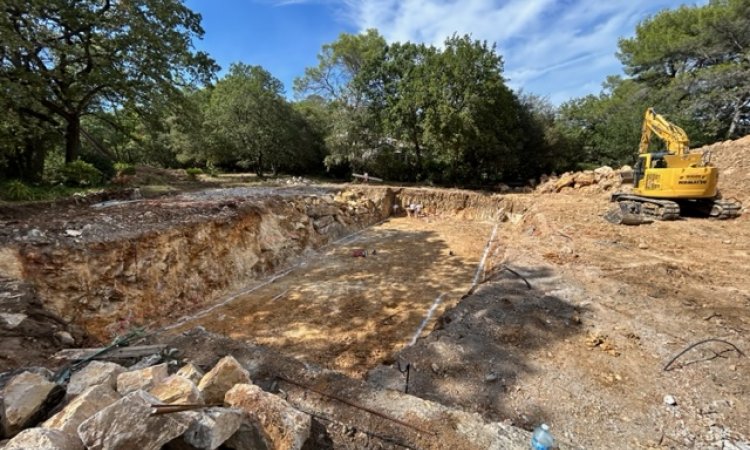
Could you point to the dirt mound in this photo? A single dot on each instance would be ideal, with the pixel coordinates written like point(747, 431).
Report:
point(603, 179)
point(733, 159)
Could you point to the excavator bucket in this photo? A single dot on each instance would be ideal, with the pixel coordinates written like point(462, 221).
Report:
point(627, 213)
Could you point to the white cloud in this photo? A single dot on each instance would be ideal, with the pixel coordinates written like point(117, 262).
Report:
point(558, 48)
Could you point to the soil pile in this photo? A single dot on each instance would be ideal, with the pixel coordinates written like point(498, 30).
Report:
point(733, 159)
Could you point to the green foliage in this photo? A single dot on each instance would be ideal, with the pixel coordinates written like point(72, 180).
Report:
point(80, 173)
point(193, 172)
point(62, 60)
point(16, 191)
point(123, 168)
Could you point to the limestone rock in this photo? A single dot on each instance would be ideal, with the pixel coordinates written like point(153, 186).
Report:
point(225, 374)
point(128, 424)
point(88, 403)
point(43, 439)
point(567, 179)
point(27, 399)
point(191, 372)
point(586, 178)
point(176, 389)
point(287, 427)
point(147, 378)
point(96, 372)
point(316, 211)
point(250, 436)
point(209, 428)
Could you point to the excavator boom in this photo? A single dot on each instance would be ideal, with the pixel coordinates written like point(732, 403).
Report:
point(674, 137)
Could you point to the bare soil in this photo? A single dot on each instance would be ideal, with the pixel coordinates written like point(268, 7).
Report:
point(351, 313)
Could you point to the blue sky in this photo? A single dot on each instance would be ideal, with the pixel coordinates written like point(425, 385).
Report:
point(559, 49)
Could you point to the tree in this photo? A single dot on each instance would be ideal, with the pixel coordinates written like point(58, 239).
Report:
point(68, 59)
point(698, 58)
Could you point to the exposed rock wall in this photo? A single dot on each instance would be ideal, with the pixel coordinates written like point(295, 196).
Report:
point(456, 203)
point(107, 287)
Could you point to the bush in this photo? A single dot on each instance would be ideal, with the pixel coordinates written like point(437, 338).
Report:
point(16, 191)
point(80, 173)
point(123, 168)
point(193, 172)
point(102, 163)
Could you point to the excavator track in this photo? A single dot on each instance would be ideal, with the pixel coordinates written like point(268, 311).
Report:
point(635, 210)
point(722, 209)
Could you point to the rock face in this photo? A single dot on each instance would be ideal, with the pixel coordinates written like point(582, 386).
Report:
point(95, 372)
point(128, 424)
point(191, 372)
point(225, 374)
point(147, 378)
point(44, 439)
point(176, 389)
point(88, 403)
point(209, 428)
point(27, 399)
point(287, 427)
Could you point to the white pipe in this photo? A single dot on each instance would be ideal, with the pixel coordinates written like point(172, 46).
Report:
point(480, 268)
point(427, 318)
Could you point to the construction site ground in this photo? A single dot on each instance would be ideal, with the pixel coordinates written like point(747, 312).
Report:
point(552, 315)
point(583, 349)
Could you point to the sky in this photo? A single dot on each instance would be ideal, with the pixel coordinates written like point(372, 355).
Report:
point(557, 49)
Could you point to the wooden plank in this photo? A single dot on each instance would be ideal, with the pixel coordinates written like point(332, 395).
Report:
point(136, 351)
point(369, 178)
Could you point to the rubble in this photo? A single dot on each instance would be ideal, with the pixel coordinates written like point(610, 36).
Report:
point(27, 398)
point(287, 427)
point(94, 373)
point(128, 424)
point(44, 439)
point(177, 389)
point(85, 405)
point(602, 179)
point(208, 429)
point(191, 372)
point(250, 436)
point(225, 374)
point(147, 378)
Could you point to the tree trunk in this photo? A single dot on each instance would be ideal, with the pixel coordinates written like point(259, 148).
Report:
point(736, 117)
point(259, 168)
point(72, 138)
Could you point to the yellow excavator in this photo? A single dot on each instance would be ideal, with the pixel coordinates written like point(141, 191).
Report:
point(670, 181)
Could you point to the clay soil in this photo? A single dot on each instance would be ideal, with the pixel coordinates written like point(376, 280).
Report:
point(352, 313)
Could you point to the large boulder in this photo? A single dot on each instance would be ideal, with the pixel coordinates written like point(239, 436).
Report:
point(176, 389)
point(586, 178)
point(44, 439)
point(144, 379)
point(567, 179)
point(128, 424)
point(88, 403)
point(95, 372)
point(225, 374)
point(27, 399)
point(287, 428)
point(209, 429)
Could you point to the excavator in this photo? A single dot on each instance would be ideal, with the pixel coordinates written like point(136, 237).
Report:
point(671, 181)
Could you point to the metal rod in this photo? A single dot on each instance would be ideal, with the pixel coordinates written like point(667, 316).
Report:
point(354, 405)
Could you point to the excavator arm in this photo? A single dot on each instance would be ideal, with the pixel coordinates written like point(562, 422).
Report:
point(673, 136)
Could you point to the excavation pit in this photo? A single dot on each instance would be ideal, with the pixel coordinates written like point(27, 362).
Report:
point(350, 313)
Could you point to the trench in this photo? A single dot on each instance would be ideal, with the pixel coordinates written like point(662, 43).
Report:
point(280, 271)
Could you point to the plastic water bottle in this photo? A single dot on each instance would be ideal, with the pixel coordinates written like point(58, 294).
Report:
point(542, 439)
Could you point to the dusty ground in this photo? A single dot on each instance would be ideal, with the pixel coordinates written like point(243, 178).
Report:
point(584, 350)
point(351, 313)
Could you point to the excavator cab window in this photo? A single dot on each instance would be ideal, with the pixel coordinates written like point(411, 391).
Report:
point(638, 170)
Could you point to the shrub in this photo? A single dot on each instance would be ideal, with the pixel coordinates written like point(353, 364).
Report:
point(193, 172)
point(123, 168)
point(16, 191)
point(80, 173)
point(102, 163)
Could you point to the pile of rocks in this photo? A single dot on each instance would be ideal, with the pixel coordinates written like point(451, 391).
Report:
point(603, 179)
point(107, 406)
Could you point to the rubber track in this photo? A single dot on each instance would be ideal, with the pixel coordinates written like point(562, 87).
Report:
point(653, 209)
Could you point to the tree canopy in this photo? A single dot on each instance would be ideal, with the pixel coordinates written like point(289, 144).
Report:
point(61, 60)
